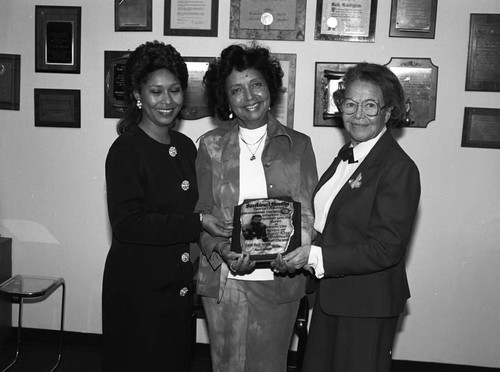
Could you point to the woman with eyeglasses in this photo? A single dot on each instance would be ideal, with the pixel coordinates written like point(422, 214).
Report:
point(365, 206)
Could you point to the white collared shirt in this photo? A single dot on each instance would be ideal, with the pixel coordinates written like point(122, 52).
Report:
point(326, 194)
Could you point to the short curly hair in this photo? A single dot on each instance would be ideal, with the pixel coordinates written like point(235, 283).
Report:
point(241, 57)
point(145, 59)
point(382, 77)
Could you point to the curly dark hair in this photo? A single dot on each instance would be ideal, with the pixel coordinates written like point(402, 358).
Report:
point(145, 59)
point(240, 57)
point(382, 77)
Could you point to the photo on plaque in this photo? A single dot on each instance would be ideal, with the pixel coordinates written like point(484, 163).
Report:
point(57, 108)
point(133, 15)
point(58, 39)
point(10, 79)
point(267, 20)
point(483, 69)
point(415, 19)
point(352, 20)
point(481, 127)
point(328, 78)
point(418, 76)
point(191, 18)
point(263, 228)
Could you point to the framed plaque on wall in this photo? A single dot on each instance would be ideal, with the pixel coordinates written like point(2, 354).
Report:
point(133, 15)
point(418, 76)
point(10, 80)
point(416, 19)
point(328, 77)
point(57, 108)
point(58, 39)
point(483, 67)
point(481, 127)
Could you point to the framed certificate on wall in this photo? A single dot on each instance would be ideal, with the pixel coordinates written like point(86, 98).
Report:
point(352, 20)
point(191, 17)
point(267, 20)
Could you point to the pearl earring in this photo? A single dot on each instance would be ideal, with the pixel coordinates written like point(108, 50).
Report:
point(139, 104)
point(230, 113)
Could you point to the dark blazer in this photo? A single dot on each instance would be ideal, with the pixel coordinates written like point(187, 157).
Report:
point(366, 234)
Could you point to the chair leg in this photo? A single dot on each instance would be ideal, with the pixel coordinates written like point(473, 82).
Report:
point(63, 300)
point(19, 326)
point(301, 329)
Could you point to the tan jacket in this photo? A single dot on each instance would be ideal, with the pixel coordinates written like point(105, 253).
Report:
point(290, 170)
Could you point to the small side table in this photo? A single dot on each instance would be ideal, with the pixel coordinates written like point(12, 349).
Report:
point(21, 287)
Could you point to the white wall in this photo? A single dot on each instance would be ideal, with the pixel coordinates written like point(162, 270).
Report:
point(52, 186)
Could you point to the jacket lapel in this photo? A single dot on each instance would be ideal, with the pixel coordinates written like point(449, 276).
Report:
point(367, 168)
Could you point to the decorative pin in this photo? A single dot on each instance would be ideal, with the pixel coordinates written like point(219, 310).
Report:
point(172, 151)
point(185, 257)
point(185, 185)
point(183, 292)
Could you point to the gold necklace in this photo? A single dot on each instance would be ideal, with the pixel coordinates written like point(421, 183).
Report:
point(259, 141)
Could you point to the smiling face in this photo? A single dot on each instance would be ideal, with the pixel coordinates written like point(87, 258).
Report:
point(249, 97)
point(161, 98)
point(360, 127)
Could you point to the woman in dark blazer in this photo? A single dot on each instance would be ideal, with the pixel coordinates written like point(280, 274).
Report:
point(365, 206)
point(151, 191)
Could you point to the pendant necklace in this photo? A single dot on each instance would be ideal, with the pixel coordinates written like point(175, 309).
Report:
point(259, 141)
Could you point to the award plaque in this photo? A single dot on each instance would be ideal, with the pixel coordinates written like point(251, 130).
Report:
point(133, 15)
point(415, 19)
point(418, 76)
point(115, 101)
point(58, 33)
point(483, 69)
point(481, 127)
point(265, 227)
point(10, 80)
point(328, 77)
point(57, 108)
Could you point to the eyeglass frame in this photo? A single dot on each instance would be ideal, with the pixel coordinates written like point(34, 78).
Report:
point(379, 109)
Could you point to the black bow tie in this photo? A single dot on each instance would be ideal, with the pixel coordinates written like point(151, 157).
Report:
point(347, 154)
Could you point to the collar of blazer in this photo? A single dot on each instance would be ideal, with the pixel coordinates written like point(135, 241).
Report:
point(367, 168)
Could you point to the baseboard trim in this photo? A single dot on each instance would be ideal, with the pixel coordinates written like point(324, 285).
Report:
point(93, 340)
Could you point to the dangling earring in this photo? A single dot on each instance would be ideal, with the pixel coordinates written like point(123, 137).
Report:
point(139, 104)
point(230, 113)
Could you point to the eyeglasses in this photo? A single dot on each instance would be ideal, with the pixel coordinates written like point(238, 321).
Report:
point(369, 107)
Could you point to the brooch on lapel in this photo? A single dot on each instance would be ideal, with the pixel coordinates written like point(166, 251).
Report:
point(356, 183)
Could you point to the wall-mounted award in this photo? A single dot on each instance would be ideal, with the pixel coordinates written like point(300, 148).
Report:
point(58, 34)
point(418, 76)
point(265, 227)
point(328, 77)
point(115, 102)
point(483, 69)
point(415, 19)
